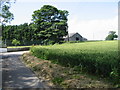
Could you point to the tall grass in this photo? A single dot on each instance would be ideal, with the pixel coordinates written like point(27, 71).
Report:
point(96, 57)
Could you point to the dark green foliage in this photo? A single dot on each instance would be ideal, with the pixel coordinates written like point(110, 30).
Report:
point(48, 27)
point(23, 33)
point(19, 32)
point(15, 42)
point(57, 80)
point(5, 14)
point(51, 24)
point(111, 35)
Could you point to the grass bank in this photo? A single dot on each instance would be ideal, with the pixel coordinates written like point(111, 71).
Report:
point(99, 58)
point(57, 76)
point(18, 46)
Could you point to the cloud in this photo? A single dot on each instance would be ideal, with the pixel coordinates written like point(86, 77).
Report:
point(93, 29)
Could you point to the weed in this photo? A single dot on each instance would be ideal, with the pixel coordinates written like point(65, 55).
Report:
point(57, 80)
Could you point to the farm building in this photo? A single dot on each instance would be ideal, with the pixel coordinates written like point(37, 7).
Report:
point(74, 37)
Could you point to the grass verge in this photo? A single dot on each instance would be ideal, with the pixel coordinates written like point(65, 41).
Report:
point(98, 58)
point(58, 76)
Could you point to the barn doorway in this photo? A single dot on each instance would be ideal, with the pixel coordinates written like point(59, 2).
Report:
point(77, 39)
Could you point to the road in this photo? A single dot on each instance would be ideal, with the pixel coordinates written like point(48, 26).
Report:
point(16, 75)
point(3, 50)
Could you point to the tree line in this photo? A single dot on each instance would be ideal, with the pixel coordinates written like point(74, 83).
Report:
point(111, 36)
point(48, 26)
point(24, 33)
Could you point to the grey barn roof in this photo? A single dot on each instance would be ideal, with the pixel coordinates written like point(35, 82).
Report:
point(71, 34)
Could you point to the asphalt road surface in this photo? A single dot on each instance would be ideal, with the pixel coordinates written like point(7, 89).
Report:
point(16, 75)
point(3, 50)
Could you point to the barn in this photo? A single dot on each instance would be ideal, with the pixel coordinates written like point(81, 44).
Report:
point(74, 37)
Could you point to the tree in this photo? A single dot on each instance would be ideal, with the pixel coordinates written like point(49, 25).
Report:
point(111, 35)
point(5, 14)
point(51, 24)
point(15, 42)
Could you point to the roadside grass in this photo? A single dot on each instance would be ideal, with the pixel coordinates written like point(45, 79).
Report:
point(98, 58)
point(57, 76)
point(18, 46)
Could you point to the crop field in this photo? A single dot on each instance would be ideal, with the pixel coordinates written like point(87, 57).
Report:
point(100, 58)
point(18, 46)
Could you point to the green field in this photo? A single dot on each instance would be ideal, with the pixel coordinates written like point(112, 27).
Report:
point(18, 46)
point(100, 58)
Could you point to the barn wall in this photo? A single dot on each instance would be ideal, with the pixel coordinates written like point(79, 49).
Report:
point(73, 38)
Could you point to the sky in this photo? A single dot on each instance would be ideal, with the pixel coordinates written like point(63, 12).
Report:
point(93, 19)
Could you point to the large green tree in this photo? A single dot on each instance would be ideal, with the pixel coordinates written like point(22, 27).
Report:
point(51, 24)
point(5, 15)
point(111, 35)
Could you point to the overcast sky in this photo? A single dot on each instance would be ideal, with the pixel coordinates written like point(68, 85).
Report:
point(93, 20)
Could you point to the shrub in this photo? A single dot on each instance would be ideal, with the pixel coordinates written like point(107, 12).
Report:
point(15, 42)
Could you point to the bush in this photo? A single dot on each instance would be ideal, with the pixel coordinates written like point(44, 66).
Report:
point(15, 42)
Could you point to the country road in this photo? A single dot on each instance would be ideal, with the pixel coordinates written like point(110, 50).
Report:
point(16, 75)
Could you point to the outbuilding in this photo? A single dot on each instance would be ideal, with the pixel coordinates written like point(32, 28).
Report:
point(74, 37)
